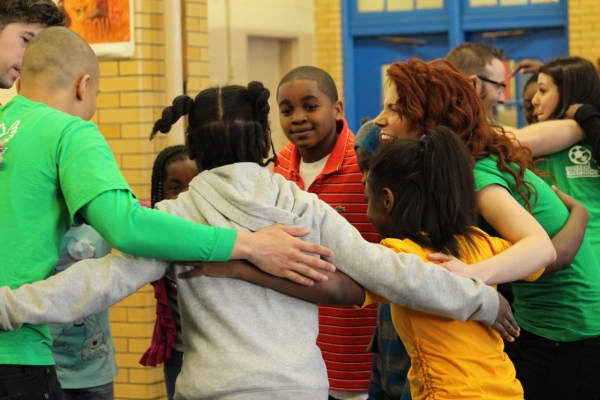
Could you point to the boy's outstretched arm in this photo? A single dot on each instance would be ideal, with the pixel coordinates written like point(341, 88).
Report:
point(85, 288)
point(144, 232)
point(338, 289)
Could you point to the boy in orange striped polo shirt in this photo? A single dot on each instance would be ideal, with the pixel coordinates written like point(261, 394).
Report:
point(321, 160)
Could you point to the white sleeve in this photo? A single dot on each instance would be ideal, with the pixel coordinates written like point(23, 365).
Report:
point(85, 288)
point(405, 279)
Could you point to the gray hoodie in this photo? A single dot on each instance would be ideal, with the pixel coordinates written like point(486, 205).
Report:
point(243, 341)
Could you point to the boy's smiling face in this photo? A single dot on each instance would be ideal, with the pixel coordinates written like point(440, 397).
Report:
point(308, 118)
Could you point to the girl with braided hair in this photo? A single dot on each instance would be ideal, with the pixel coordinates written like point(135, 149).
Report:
point(240, 339)
point(421, 199)
point(171, 175)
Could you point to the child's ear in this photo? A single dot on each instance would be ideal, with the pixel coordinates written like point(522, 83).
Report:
point(83, 86)
point(338, 107)
point(388, 200)
point(18, 84)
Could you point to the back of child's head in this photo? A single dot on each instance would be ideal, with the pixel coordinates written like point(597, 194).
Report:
point(431, 179)
point(56, 58)
point(166, 157)
point(227, 124)
point(43, 12)
point(324, 81)
point(367, 138)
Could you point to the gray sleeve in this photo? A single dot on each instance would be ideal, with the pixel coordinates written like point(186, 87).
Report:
point(404, 279)
point(85, 288)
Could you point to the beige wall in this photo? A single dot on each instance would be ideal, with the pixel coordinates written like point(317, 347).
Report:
point(584, 29)
point(329, 40)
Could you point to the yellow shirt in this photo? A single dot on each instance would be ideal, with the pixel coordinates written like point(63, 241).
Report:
point(453, 359)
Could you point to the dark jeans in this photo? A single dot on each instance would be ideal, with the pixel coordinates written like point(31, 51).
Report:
point(557, 370)
point(172, 368)
point(28, 382)
point(102, 392)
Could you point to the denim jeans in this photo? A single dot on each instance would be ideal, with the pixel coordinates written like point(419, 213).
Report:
point(172, 368)
point(550, 370)
point(102, 392)
point(29, 382)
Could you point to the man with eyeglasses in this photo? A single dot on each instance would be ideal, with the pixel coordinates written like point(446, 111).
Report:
point(484, 66)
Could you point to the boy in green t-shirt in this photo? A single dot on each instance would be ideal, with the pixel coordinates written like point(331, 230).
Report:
point(58, 170)
point(20, 21)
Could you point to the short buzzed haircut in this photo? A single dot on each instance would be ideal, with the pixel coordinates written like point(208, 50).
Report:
point(56, 57)
point(43, 12)
point(324, 81)
point(471, 58)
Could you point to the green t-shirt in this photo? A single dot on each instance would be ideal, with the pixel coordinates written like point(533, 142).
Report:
point(577, 174)
point(44, 182)
point(564, 306)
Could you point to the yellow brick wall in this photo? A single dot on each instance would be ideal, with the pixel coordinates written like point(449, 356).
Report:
point(584, 29)
point(329, 40)
point(133, 94)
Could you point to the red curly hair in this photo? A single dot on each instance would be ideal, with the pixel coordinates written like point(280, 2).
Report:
point(435, 93)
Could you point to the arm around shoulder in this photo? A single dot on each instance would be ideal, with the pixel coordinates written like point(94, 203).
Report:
point(404, 279)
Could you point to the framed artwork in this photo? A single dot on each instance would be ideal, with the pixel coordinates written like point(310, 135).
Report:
point(107, 25)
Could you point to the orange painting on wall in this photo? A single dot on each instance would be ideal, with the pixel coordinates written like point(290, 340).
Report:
point(99, 22)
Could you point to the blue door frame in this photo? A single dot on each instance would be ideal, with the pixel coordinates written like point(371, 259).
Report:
point(433, 33)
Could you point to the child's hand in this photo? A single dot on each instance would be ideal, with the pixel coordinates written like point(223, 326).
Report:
point(227, 269)
point(567, 200)
point(452, 264)
point(570, 113)
point(526, 65)
point(505, 323)
point(276, 251)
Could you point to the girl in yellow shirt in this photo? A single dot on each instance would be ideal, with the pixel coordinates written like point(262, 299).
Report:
point(422, 192)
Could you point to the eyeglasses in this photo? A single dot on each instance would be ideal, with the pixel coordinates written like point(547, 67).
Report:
point(501, 85)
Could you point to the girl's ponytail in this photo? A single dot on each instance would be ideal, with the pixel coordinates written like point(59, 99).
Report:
point(182, 105)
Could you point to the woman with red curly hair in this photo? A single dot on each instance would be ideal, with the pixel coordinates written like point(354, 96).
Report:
point(514, 203)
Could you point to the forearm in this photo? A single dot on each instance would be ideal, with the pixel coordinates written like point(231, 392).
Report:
point(568, 240)
point(140, 231)
point(548, 137)
point(519, 261)
point(338, 289)
point(85, 288)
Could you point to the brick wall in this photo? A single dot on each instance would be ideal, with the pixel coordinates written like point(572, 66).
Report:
point(584, 29)
point(329, 40)
point(133, 94)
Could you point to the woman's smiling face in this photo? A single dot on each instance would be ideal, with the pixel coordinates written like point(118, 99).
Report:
point(546, 98)
point(392, 125)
